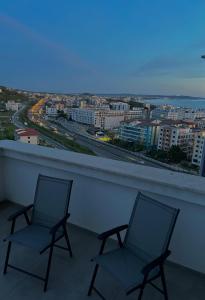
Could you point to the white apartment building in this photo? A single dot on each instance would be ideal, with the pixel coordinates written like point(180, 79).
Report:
point(51, 111)
point(199, 139)
point(181, 136)
point(177, 113)
point(12, 105)
point(120, 106)
point(83, 115)
point(27, 135)
point(110, 121)
point(104, 119)
point(136, 113)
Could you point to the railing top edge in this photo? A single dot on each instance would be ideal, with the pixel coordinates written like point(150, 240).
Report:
point(118, 168)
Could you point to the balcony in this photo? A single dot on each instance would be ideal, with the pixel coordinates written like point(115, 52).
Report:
point(103, 196)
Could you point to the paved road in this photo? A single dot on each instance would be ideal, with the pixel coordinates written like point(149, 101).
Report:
point(80, 135)
point(19, 124)
point(101, 149)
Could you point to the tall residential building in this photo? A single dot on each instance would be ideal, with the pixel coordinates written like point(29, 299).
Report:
point(178, 135)
point(140, 131)
point(83, 115)
point(104, 119)
point(199, 139)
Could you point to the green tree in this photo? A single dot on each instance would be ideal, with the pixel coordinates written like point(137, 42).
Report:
point(176, 155)
point(111, 135)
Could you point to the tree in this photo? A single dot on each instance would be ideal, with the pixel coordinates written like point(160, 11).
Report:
point(111, 135)
point(176, 155)
point(62, 114)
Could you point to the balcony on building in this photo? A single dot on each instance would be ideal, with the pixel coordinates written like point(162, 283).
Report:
point(103, 195)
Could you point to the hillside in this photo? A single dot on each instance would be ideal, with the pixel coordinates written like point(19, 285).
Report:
point(11, 94)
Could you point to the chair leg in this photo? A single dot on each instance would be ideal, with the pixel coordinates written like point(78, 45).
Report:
point(7, 257)
point(164, 283)
point(48, 268)
point(93, 280)
point(141, 293)
point(68, 241)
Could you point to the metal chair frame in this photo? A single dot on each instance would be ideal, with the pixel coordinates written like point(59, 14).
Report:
point(62, 224)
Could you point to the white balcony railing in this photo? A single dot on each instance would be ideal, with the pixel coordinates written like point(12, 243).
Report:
point(104, 192)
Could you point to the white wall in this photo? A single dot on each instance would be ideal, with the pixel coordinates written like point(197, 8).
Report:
point(104, 192)
point(2, 192)
point(29, 139)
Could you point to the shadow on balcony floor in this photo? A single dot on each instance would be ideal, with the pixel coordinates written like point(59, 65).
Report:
point(69, 278)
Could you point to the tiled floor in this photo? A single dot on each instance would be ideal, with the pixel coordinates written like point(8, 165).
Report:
point(69, 278)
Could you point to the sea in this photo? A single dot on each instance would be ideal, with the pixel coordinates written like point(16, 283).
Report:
point(187, 103)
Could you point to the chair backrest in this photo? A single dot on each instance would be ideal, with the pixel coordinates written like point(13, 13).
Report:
point(51, 200)
point(150, 228)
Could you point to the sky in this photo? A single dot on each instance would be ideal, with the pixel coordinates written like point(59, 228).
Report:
point(107, 46)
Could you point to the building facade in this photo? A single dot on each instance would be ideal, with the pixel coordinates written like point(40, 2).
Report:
point(12, 105)
point(104, 119)
point(120, 106)
point(181, 136)
point(140, 132)
point(198, 148)
point(27, 135)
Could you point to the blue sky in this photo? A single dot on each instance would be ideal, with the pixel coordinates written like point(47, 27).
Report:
point(107, 46)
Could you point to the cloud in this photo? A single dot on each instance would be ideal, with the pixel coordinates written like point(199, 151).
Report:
point(178, 65)
point(62, 52)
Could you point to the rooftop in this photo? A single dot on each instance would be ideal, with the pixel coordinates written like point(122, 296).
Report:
point(159, 122)
point(27, 132)
point(69, 278)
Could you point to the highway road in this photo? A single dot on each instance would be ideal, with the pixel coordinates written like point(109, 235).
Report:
point(80, 136)
point(19, 124)
point(106, 150)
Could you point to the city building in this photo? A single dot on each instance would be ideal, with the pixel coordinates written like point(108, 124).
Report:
point(83, 115)
point(104, 119)
point(143, 132)
point(179, 113)
point(197, 156)
point(12, 105)
point(27, 135)
point(200, 123)
point(120, 106)
point(176, 135)
point(135, 113)
point(51, 111)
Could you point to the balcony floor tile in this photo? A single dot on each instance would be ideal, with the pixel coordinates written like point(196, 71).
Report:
point(69, 278)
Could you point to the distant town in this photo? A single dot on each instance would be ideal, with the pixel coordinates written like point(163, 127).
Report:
point(124, 127)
